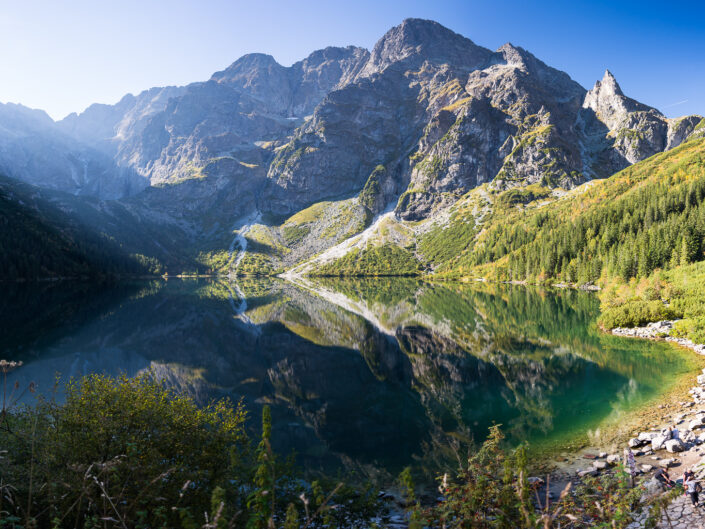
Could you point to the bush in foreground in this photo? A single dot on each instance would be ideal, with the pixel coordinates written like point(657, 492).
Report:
point(131, 453)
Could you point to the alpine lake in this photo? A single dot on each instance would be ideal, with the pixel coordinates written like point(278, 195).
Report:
point(364, 377)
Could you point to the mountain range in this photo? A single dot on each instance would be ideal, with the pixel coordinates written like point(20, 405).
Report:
point(370, 156)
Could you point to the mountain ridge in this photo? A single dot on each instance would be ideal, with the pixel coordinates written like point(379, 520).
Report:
point(338, 138)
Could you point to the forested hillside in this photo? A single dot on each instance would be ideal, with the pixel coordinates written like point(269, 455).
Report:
point(646, 217)
point(37, 240)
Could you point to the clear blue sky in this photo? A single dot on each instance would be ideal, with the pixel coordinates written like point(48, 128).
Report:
point(62, 56)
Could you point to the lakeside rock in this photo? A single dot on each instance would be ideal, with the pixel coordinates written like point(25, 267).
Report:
point(665, 463)
point(674, 445)
point(660, 330)
point(658, 442)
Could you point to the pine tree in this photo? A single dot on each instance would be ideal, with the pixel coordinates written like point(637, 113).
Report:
point(261, 501)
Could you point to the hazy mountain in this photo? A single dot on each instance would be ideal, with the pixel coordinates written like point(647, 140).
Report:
point(35, 150)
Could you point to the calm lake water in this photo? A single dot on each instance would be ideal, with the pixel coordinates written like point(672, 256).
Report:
point(365, 375)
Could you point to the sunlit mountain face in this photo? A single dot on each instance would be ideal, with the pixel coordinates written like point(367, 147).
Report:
point(365, 375)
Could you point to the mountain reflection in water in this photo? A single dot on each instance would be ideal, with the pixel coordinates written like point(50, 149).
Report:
point(368, 374)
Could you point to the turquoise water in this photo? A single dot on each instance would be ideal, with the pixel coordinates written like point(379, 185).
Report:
point(365, 375)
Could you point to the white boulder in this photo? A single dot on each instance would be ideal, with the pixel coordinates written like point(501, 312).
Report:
point(695, 423)
point(658, 442)
point(674, 445)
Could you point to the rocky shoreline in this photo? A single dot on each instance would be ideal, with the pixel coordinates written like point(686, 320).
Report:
point(660, 330)
point(654, 447)
point(689, 416)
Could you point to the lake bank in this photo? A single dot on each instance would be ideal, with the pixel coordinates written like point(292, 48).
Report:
point(681, 407)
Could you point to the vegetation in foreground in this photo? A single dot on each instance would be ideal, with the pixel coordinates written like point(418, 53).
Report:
point(128, 453)
point(493, 490)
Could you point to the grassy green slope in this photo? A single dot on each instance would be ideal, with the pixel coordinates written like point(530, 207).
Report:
point(385, 260)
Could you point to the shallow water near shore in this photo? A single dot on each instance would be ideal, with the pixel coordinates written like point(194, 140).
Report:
point(364, 376)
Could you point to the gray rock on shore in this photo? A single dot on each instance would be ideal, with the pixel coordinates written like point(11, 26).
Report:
point(665, 463)
point(658, 442)
point(674, 445)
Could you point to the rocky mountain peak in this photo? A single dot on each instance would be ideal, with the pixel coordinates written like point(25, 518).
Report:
point(608, 85)
point(20, 114)
point(332, 53)
point(416, 40)
point(244, 66)
point(539, 76)
point(514, 55)
point(609, 103)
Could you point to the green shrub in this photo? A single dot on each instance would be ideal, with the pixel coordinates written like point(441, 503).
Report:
point(385, 260)
point(636, 313)
point(294, 234)
point(122, 448)
point(492, 490)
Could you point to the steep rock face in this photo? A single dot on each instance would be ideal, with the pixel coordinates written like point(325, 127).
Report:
point(209, 122)
point(261, 77)
point(97, 124)
point(684, 129)
point(294, 91)
point(172, 134)
point(355, 129)
point(321, 72)
point(462, 152)
point(511, 121)
point(375, 119)
point(610, 104)
point(253, 101)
